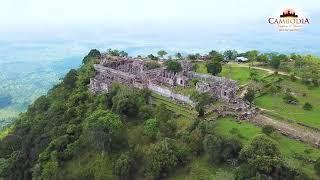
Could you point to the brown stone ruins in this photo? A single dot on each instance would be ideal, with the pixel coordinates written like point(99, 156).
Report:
point(134, 72)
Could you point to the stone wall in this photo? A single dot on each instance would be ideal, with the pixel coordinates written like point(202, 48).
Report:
point(135, 74)
point(222, 88)
point(168, 93)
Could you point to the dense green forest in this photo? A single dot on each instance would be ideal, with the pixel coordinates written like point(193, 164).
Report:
point(125, 134)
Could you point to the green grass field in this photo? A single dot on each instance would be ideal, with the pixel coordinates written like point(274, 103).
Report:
point(239, 73)
point(304, 94)
point(233, 71)
point(296, 154)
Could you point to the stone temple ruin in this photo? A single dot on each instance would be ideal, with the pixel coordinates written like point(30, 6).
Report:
point(134, 72)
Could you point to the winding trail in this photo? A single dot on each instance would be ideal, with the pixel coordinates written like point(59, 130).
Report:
point(291, 130)
point(270, 71)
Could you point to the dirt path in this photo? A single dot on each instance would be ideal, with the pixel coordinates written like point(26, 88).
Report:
point(290, 130)
point(270, 71)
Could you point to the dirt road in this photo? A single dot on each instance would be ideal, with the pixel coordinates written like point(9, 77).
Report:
point(291, 130)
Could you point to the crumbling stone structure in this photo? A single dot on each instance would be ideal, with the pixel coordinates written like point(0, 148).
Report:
point(222, 88)
point(134, 72)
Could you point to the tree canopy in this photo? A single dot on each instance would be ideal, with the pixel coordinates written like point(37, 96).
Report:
point(162, 53)
point(214, 68)
point(174, 66)
point(262, 154)
point(230, 54)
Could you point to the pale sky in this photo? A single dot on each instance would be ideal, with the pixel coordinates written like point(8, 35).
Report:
point(17, 13)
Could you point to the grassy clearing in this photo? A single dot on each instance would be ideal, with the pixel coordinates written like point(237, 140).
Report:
point(233, 71)
point(303, 93)
point(240, 73)
point(230, 127)
point(296, 154)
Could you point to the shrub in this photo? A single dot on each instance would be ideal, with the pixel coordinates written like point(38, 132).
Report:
point(307, 106)
point(174, 66)
point(214, 68)
point(290, 99)
point(213, 146)
point(249, 96)
point(262, 154)
point(268, 129)
point(293, 77)
point(151, 128)
point(123, 166)
point(231, 149)
point(162, 158)
point(273, 89)
point(152, 65)
point(317, 166)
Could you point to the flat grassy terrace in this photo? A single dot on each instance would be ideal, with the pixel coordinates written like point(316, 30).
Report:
point(233, 71)
point(303, 93)
point(296, 154)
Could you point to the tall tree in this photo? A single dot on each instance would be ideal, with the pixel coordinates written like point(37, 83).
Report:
point(152, 57)
point(262, 154)
point(213, 53)
point(123, 166)
point(162, 157)
point(174, 66)
point(214, 68)
point(192, 57)
point(283, 57)
point(252, 55)
point(179, 55)
point(162, 53)
point(123, 54)
point(262, 58)
point(213, 146)
point(101, 128)
point(70, 79)
point(114, 52)
point(230, 54)
point(275, 62)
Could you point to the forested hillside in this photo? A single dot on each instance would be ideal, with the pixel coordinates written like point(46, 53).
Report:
point(128, 134)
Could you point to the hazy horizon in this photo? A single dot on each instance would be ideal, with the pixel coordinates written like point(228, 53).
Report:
point(40, 40)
